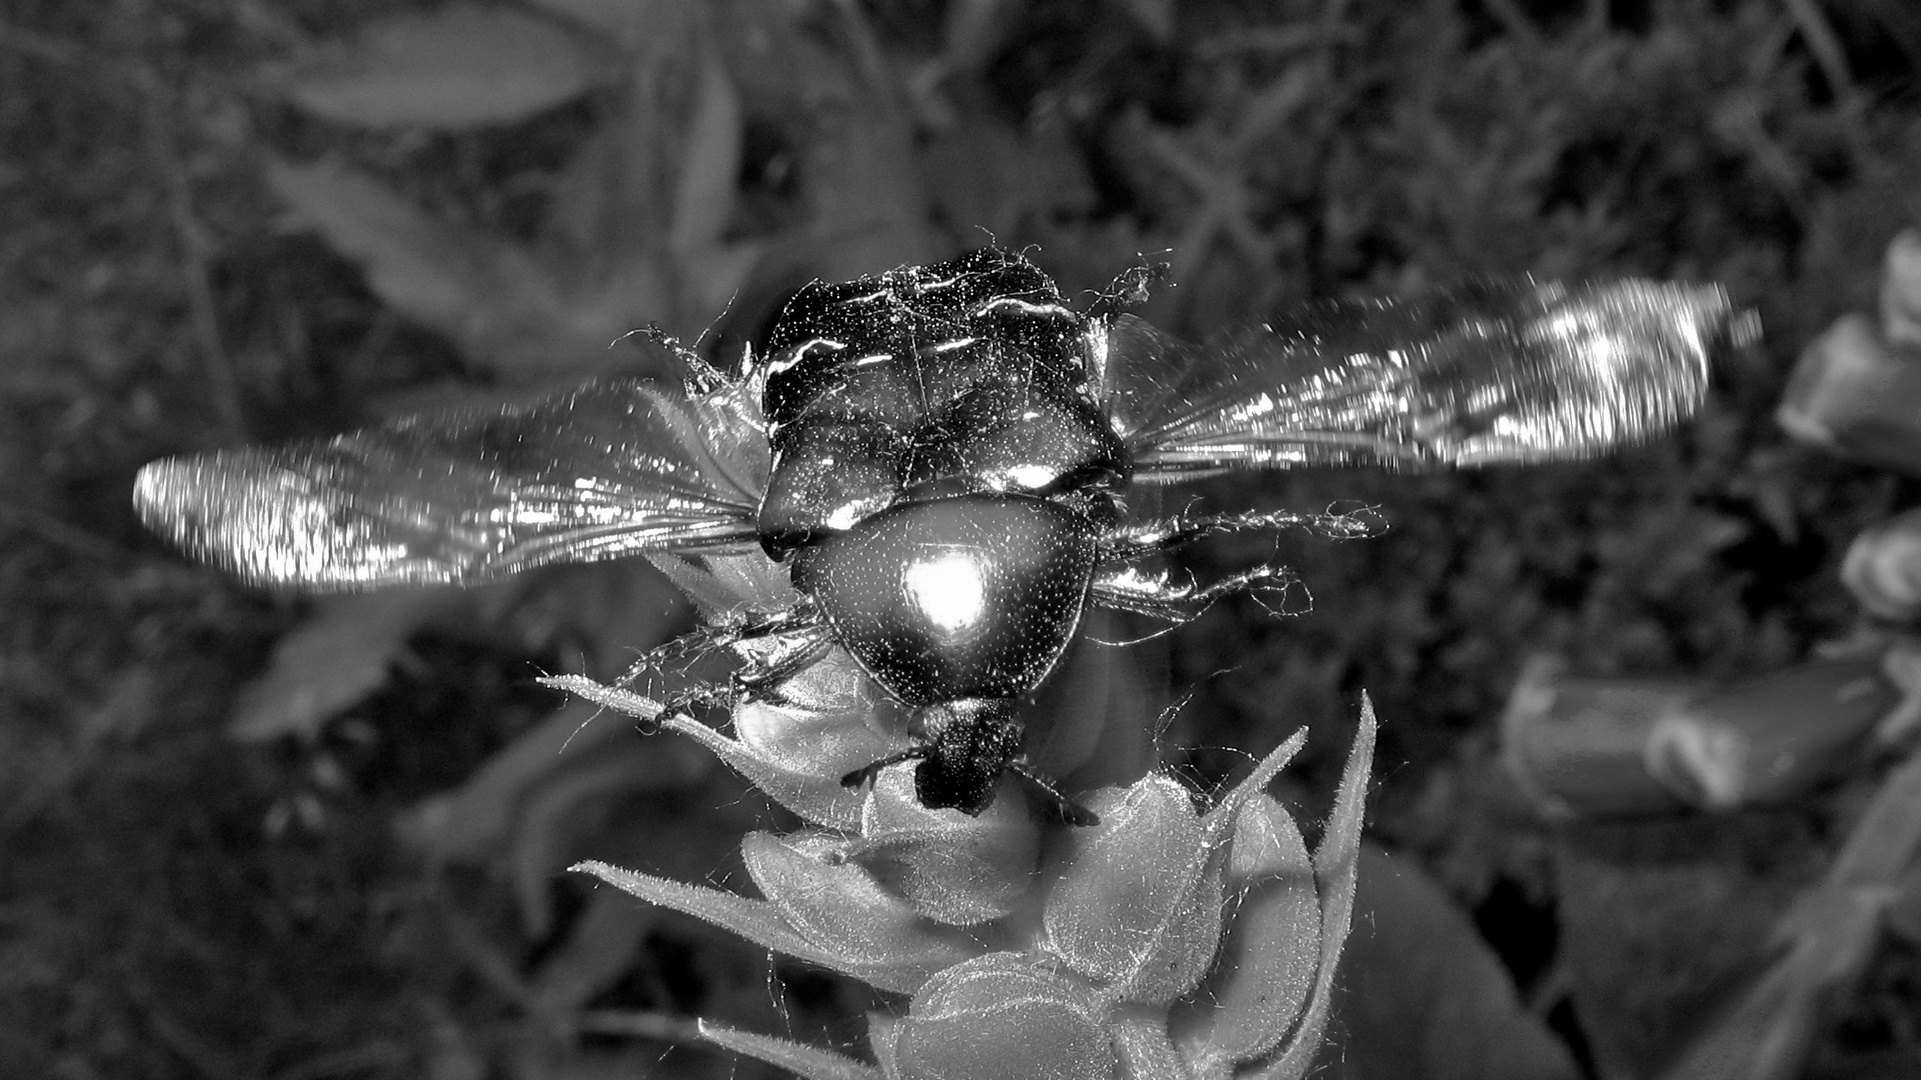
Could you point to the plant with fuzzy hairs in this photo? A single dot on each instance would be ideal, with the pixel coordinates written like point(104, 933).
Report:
point(1166, 941)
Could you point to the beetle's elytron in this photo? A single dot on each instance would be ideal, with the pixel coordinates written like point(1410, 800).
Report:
point(940, 454)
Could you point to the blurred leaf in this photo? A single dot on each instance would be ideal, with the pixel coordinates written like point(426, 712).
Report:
point(626, 20)
point(342, 654)
point(1422, 995)
point(613, 204)
point(598, 951)
point(1825, 941)
point(710, 166)
point(975, 32)
point(982, 174)
point(1881, 850)
point(858, 175)
point(459, 67)
point(1768, 1033)
point(474, 821)
point(1660, 918)
point(489, 296)
point(544, 800)
point(1337, 868)
point(1154, 16)
point(607, 206)
point(483, 293)
point(563, 812)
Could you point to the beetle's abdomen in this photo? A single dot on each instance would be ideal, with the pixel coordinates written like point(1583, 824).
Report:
point(974, 596)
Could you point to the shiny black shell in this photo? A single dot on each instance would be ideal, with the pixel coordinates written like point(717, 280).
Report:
point(969, 376)
point(971, 596)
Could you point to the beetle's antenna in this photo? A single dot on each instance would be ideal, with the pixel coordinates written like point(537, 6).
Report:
point(1129, 288)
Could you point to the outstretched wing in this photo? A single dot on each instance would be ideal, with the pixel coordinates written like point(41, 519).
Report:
point(1503, 372)
point(615, 467)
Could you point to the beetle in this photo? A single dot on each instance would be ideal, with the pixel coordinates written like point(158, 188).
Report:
point(938, 456)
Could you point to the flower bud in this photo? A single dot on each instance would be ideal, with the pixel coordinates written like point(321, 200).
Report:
point(952, 868)
point(1267, 963)
point(1901, 666)
point(1001, 1015)
point(1138, 904)
point(1618, 746)
point(839, 907)
point(1578, 746)
point(1858, 395)
point(1883, 568)
point(1771, 738)
point(1901, 289)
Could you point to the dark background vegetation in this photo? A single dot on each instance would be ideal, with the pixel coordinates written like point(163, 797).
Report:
point(178, 899)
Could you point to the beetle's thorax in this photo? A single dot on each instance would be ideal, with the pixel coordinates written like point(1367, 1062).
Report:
point(915, 384)
point(974, 596)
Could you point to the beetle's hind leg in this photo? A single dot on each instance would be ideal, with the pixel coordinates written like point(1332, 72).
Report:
point(767, 650)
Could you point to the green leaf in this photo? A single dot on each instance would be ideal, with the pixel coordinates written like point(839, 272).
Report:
point(459, 67)
point(758, 921)
point(1336, 870)
point(816, 796)
point(807, 1062)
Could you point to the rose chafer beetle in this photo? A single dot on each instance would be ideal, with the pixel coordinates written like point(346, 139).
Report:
point(938, 457)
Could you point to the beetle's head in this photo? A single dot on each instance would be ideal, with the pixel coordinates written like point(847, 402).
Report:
point(972, 743)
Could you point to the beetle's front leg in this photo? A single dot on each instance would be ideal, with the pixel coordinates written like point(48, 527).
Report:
point(1122, 584)
point(1132, 543)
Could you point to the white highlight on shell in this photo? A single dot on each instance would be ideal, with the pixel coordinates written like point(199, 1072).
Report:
point(948, 590)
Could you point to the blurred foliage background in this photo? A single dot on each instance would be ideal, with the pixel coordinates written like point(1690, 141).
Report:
point(258, 836)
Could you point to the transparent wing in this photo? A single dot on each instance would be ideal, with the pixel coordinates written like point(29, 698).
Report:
point(1503, 372)
point(614, 467)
